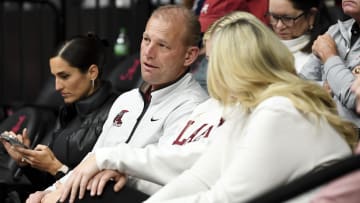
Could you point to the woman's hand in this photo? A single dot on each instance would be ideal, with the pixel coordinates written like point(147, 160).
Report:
point(37, 197)
point(13, 151)
point(53, 196)
point(41, 158)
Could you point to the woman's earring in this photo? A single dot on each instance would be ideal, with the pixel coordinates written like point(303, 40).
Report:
point(93, 83)
point(311, 27)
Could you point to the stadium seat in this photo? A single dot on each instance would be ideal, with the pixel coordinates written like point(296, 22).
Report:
point(38, 122)
point(309, 181)
point(126, 75)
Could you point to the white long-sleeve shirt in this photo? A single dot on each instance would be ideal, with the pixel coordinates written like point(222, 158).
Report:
point(271, 146)
point(131, 122)
point(160, 163)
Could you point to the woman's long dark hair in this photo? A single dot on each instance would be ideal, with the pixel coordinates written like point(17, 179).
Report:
point(83, 51)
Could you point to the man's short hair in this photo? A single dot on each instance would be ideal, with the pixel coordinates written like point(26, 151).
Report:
point(174, 13)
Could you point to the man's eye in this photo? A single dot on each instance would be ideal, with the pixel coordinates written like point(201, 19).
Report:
point(146, 39)
point(164, 46)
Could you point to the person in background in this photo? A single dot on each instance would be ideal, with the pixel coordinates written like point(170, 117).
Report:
point(77, 67)
point(214, 9)
point(298, 23)
point(169, 94)
point(259, 9)
point(335, 63)
point(279, 117)
point(211, 11)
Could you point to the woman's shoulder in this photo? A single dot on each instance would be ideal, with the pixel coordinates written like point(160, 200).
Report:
point(275, 102)
point(276, 106)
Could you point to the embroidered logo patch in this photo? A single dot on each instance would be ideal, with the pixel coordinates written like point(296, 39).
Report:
point(118, 118)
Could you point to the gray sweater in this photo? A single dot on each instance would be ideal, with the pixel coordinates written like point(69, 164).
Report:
point(337, 70)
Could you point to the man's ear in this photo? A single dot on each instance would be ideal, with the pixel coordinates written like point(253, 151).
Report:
point(191, 55)
point(93, 72)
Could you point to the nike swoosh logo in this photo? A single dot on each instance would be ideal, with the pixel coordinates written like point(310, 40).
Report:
point(154, 119)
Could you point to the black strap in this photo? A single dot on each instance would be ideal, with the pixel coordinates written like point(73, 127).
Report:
point(355, 33)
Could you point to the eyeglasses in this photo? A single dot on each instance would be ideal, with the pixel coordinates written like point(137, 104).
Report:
point(286, 20)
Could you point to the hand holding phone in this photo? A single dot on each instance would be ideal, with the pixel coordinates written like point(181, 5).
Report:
point(12, 140)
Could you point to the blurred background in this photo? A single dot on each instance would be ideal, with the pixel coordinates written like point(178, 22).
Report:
point(30, 31)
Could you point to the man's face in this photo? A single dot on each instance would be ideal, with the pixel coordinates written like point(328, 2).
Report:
point(163, 52)
point(351, 8)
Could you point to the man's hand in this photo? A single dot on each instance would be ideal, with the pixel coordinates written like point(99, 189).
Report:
point(97, 183)
point(79, 179)
point(324, 47)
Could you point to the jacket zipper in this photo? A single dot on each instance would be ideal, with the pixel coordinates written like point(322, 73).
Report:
point(146, 105)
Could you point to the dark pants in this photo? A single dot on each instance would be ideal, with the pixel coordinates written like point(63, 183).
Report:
point(126, 194)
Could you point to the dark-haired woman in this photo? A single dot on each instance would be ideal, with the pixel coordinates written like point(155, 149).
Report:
point(77, 68)
point(298, 23)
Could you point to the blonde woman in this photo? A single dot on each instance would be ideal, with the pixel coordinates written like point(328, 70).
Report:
point(290, 126)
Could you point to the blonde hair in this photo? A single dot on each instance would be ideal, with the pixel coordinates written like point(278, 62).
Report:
point(249, 64)
point(221, 22)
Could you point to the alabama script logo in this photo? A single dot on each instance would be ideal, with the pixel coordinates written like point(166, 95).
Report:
point(118, 118)
point(200, 132)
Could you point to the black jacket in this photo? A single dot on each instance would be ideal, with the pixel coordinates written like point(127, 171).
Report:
point(76, 131)
point(80, 125)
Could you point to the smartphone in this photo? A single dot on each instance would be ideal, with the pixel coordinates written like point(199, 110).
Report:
point(12, 140)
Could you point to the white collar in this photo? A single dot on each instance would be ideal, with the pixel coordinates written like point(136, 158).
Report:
point(295, 45)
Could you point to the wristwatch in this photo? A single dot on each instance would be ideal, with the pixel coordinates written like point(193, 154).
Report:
point(61, 172)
